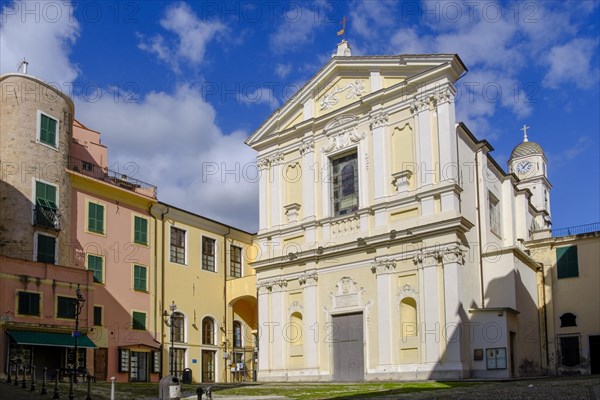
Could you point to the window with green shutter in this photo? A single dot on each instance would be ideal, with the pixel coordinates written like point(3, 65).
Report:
point(140, 230)
point(66, 307)
point(46, 249)
point(567, 264)
point(95, 264)
point(48, 130)
point(95, 217)
point(29, 303)
point(97, 315)
point(45, 195)
point(138, 320)
point(139, 278)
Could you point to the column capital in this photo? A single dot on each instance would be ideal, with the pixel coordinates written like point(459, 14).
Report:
point(279, 284)
point(426, 258)
point(445, 94)
point(378, 119)
point(383, 267)
point(307, 146)
point(264, 286)
point(263, 163)
point(419, 104)
point(454, 254)
point(308, 279)
point(276, 158)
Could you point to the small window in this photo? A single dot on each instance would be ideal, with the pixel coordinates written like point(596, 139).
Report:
point(46, 249)
point(97, 315)
point(178, 327)
point(86, 166)
point(208, 331)
point(208, 254)
point(568, 319)
point(29, 303)
point(177, 245)
point(567, 262)
point(45, 196)
point(494, 206)
point(139, 278)
point(138, 320)
point(496, 358)
point(66, 307)
point(48, 130)
point(95, 218)
point(96, 264)
point(344, 178)
point(237, 334)
point(140, 230)
point(570, 354)
point(236, 262)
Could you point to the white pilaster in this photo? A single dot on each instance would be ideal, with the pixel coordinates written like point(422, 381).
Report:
point(426, 168)
point(309, 335)
point(430, 329)
point(279, 319)
point(277, 189)
point(264, 337)
point(378, 124)
point(308, 109)
point(385, 295)
point(263, 169)
point(376, 83)
point(452, 261)
point(447, 134)
point(307, 151)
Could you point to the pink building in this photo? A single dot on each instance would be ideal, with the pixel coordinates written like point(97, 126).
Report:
point(112, 235)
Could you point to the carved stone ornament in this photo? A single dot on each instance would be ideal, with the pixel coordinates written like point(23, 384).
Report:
point(279, 283)
point(264, 286)
point(343, 139)
point(407, 291)
point(420, 104)
point(401, 180)
point(276, 158)
point(308, 278)
point(346, 285)
point(352, 89)
point(378, 119)
point(307, 146)
point(445, 95)
point(383, 267)
point(263, 163)
point(295, 307)
point(347, 294)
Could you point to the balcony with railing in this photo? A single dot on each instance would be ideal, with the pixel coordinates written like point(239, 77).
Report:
point(576, 230)
point(47, 217)
point(112, 177)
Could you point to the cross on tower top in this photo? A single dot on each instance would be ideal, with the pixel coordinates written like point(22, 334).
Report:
point(524, 129)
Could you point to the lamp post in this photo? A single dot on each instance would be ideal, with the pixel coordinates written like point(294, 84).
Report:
point(79, 300)
point(170, 322)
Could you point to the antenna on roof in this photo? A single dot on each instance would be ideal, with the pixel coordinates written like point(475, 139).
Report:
point(23, 66)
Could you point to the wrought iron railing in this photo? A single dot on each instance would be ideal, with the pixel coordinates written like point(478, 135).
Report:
point(113, 177)
point(47, 217)
point(576, 230)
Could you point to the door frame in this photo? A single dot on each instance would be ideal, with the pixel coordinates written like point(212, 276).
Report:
point(105, 351)
point(351, 311)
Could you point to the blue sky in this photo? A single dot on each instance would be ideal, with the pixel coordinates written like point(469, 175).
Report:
point(176, 87)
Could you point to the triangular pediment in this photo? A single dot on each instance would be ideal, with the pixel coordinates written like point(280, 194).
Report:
point(345, 81)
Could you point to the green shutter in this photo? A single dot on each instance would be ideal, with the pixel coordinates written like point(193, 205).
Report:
point(139, 278)
point(45, 195)
point(95, 218)
point(139, 320)
point(46, 246)
point(140, 231)
point(48, 130)
point(567, 263)
point(95, 265)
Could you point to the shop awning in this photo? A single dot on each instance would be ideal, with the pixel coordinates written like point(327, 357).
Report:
point(50, 339)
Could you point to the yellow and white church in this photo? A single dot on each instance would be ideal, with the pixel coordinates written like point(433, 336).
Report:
point(391, 242)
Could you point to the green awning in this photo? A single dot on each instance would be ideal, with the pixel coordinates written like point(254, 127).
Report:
point(50, 339)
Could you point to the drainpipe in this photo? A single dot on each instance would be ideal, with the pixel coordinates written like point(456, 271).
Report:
point(225, 293)
point(478, 208)
point(545, 308)
point(162, 280)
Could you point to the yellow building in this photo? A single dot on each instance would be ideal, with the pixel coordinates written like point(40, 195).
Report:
point(207, 292)
point(571, 260)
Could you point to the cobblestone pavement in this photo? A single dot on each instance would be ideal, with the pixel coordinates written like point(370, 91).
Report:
point(564, 388)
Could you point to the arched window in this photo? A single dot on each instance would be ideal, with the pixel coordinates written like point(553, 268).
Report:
point(568, 319)
point(237, 334)
point(178, 327)
point(208, 331)
point(295, 331)
point(408, 317)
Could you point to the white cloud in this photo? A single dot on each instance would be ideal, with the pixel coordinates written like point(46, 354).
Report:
point(283, 70)
point(191, 37)
point(572, 63)
point(258, 96)
point(174, 140)
point(572, 152)
point(365, 14)
point(42, 35)
point(299, 27)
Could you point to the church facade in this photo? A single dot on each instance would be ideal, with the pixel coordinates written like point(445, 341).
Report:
point(391, 242)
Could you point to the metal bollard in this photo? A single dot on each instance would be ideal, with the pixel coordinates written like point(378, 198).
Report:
point(56, 394)
point(89, 388)
point(16, 374)
point(112, 388)
point(23, 383)
point(32, 389)
point(9, 379)
point(44, 389)
point(199, 392)
point(71, 389)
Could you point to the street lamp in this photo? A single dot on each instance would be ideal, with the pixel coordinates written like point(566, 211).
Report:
point(79, 300)
point(170, 322)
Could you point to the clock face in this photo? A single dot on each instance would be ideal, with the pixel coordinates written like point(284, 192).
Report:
point(523, 167)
